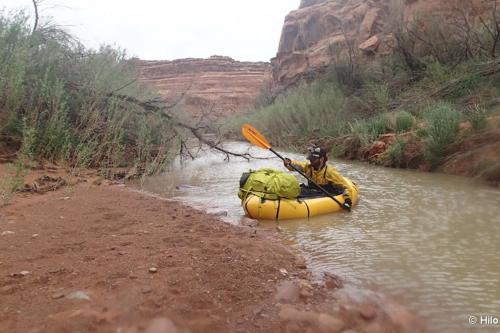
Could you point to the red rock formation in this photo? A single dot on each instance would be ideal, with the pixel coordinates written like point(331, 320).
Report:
point(216, 86)
point(314, 36)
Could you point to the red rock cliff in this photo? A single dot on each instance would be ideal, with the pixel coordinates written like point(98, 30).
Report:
point(217, 86)
point(314, 36)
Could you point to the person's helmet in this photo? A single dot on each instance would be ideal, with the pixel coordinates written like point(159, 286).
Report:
point(316, 152)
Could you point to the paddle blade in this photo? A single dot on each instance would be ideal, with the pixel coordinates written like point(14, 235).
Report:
point(253, 136)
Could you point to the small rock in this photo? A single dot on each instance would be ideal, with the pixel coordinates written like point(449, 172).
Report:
point(146, 290)
point(221, 213)
point(57, 295)
point(283, 272)
point(20, 274)
point(79, 295)
point(8, 232)
point(35, 235)
point(153, 270)
point(257, 312)
point(370, 45)
point(306, 289)
point(332, 281)
point(300, 263)
point(64, 198)
point(304, 293)
point(122, 253)
point(367, 311)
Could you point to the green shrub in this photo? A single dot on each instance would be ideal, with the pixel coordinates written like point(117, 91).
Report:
point(306, 111)
point(380, 124)
point(442, 126)
point(395, 152)
point(404, 121)
point(438, 73)
point(61, 101)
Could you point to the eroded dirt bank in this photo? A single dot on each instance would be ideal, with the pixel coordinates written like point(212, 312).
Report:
point(97, 257)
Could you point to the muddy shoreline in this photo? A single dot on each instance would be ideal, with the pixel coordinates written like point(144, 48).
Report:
point(95, 256)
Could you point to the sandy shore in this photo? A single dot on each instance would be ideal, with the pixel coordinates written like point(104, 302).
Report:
point(97, 257)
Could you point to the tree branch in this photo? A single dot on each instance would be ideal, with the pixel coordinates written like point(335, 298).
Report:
point(35, 25)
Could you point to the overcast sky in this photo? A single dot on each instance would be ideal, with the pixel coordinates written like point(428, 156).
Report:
point(171, 29)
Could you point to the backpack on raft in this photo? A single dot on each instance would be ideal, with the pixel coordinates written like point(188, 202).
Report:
point(269, 184)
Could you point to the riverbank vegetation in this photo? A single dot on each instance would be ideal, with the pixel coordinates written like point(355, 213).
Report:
point(64, 103)
point(440, 86)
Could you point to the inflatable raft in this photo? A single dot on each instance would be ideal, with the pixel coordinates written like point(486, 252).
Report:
point(283, 209)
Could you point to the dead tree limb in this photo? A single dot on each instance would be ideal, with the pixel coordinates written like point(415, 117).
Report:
point(152, 107)
point(35, 25)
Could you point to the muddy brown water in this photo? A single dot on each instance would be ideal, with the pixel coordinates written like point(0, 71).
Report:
point(431, 241)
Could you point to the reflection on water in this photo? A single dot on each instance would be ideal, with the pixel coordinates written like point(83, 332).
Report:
point(430, 240)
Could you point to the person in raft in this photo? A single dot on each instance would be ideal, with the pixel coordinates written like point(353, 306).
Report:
point(322, 174)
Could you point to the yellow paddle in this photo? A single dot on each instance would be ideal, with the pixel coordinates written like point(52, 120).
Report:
point(254, 137)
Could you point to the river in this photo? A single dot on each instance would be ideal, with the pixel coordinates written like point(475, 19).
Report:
point(429, 240)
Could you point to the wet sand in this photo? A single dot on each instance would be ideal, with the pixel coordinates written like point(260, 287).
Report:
point(97, 257)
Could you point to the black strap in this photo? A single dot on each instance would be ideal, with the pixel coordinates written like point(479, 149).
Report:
point(278, 210)
point(307, 206)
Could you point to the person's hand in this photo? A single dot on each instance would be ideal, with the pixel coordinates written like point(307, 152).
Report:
point(347, 204)
point(287, 163)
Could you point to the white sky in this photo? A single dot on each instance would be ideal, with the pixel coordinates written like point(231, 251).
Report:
point(246, 30)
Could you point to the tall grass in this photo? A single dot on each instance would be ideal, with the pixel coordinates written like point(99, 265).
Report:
point(60, 101)
point(405, 121)
point(442, 127)
point(476, 115)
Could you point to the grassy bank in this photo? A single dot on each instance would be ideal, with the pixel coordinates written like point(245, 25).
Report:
point(62, 102)
point(406, 109)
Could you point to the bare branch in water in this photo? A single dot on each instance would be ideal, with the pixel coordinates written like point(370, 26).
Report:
point(155, 107)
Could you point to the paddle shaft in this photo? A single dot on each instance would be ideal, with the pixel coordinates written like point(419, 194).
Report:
point(309, 179)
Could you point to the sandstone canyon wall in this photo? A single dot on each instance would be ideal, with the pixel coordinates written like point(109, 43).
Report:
point(218, 86)
point(314, 36)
